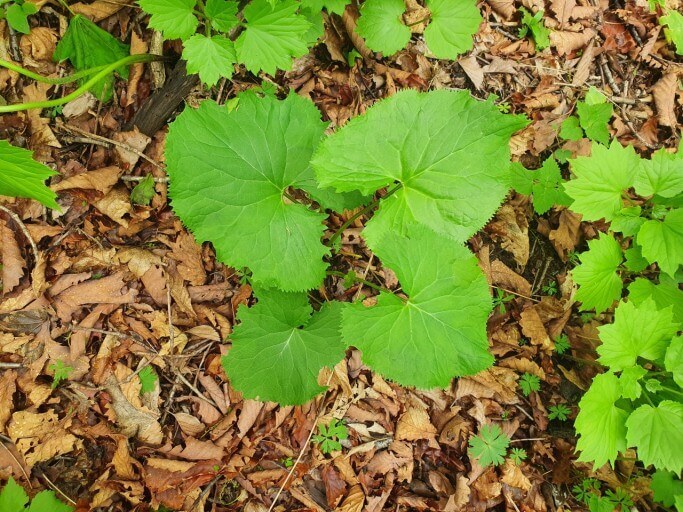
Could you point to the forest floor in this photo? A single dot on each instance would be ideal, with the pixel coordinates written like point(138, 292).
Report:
point(105, 285)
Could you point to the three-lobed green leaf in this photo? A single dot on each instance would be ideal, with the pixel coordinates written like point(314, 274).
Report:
point(175, 19)
point(661, 241)
point(210, 57)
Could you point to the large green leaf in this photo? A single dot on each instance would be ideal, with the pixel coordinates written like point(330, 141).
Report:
point(229, 175)
point(638, 331)
point(335, 6)
point(222, 14)
point(21, 176)
point(448, 151)
point(175, 19)
point(662, 241)
point(600, 424)
point(666, 487)
point(601, 179)
point(657, 433)
point(673, 359)
point(666, 293)
point(278, 348)
point(87, 46)
point(381, 25)
point(439, 331)
point(599, 283)
point(452, 25)
point(661, 175)
point(211, 57)
point(272, 37)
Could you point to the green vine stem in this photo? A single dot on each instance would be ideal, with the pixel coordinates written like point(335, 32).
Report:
point(99, 74)
point(359, 280)
point(50, 80)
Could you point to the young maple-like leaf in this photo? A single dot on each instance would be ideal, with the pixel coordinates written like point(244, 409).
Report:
point(210, 57)
point(594, 116)
point(601, 424)
point(546, 186)
point(662, 241)
point(278, 348)
point(534, 24)
point(529, 383)
point(381, 25)
point(17, 15)
point(60, 372)
point(489, 446)
point(21, 176)
point(570, 129)
point(638, 331)
point(628, 380)
point(674, 23)
point(448, 152)
point(229, 173)
point(148, 379)
point(657, 434)
point(597, 277)
point(666, 487)
point(452, 25)
point(87, 46)
point(560, 412)
point(666, 293)
point(660, 175)
point(673, 359)
point(426, 340)
point(601, 179)
point(222, 14)
point(47, 501)
point(175, 19)
point(273, 36)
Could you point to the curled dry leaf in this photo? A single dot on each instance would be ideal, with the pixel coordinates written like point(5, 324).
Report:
point(513, 476)
point(533, 328)
point(13, 263)
point(38, 46)
point(506, 8)
point(188, 254)
point(102, 180)
point(116, 205)
point(503, 276)
point(415, 424)
point(664, 94)
point(136, 140)
point(8, 386)
point(107, 290)
point(567, 235)
point(566, 42)
point(354, 500)
point(513, 228)
point(133, 422)
point(189, 424)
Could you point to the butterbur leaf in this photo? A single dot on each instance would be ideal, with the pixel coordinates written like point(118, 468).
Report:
point(229, 174)
point(278, 348)
point(489, 446)
point(597, 277)
point(674, 22)
point(666, 486)
point(13, 498)
point(657, 433)
point(272, 37)
point(175, 19)
point(665, 294)
point(601, 179)
point(638, 331)
point(661, 175)
point(21, 176)
point(662, 241)
point(381, 25)
point(222, 14)
point(452, 26)
point(600, 424)
point(448, 151)
point(673, 359)
point(630, 388)
point(594, 116)
point(439, 332)
point(87, 46)
point(211, 57)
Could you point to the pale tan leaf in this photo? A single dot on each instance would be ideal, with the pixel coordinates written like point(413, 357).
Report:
point(133, 422)
point(116, 205)
point(107, 290)
point(514, 477)
point(122, 461)
point(415, 424)
point(8, 386)
point(102, 180)
point(189, 424)
point(136, 140)
point(664, 94)
point(13, 263)
point(566, 42)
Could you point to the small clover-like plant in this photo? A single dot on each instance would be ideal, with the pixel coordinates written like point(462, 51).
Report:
point(329, 436)
point(13, 498)
point(529, 383)
point(559, 412)
point(489, 446)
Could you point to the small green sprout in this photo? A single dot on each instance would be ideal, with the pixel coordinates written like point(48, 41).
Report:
point(330, 435)
point(529, 383)
point(518, 455)
point(489, 446)
point(562, 344)
point(559, 412)
point(60, 372)
point(500, 300)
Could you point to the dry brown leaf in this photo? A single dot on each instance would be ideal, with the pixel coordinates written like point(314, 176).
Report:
point(79, 106)
point(497, 381)
point(664, 94)
point(473, 70)
point(583, 68)
point(115, 205)
point(513, 228)
point(523, 365)
point(122, 461)
point(533, 328)
point(7, 388)
point(503, 276)
point(102, 180)
point(107, 290)
point(354, 500)
point(506, 8)
point(189, 424)
point(566, 42)
point(139, 423)
point(100, 9)
point(198, 450)
point(37, 48)
point(567, 235)
point(562, 10)
point(136, 140)
point(415, 424)
point(137, 46)
point(513, 476)
point(188, 254)
point(41, 133)
point(41, 436)
point(13, 263)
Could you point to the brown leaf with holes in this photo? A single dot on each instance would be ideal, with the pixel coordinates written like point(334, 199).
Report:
point(41, 436)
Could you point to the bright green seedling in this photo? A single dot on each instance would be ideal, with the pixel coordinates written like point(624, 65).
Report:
point(550, 288)
point(666, 487)
point(673, 21)
point(559, 412)
point(500, 299)
point(21, 176)
point(562, 344)
point(144, 191)
point(87, 46)
point(16, 12)
point(586, 489)
point(619, 498)
point(489, 446)
point(545, 185)
point(148, 380)
point(60, 372)
point(452, 25)
point(518, 455)
point(329, 436)
point(13, 498)
point(533, 23)
point(594, 114)
point(280, 346)
point(529, 383)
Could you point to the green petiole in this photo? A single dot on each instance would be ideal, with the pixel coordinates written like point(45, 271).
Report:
point(98, 73)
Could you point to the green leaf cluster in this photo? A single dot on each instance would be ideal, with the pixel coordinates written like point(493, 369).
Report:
point(533, 23)
point(545, 185)
point(451, 26)
point(594, 114)
point(16, 12)
point(258, 181)
point(329, 435)
point(13, 498)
